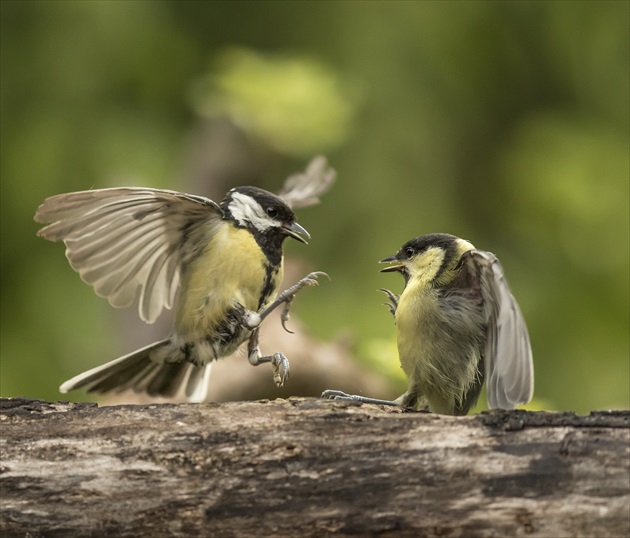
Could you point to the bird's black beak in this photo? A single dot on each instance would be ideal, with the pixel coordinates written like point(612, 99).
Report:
point(395, 265)
point(297, 232)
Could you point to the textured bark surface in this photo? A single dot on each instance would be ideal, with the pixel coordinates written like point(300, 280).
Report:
point(308, 467)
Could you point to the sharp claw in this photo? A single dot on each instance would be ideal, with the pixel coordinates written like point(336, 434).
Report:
point(390, 295)
point(316, 274)
point(391, 308)
point(284, 326)
point(308, 280)
point(311, 278)
point(392, 305)
point(285, 316)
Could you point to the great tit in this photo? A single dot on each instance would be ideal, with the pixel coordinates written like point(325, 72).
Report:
point(226, 260)
point(457, 324)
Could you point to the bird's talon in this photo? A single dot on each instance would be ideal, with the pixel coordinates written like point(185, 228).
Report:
point(284, 326)
point(336, 395)
point(280, 369)
point(285, 316)
point(311, 278)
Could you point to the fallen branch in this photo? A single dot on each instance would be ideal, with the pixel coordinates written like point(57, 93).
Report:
point(308, 467)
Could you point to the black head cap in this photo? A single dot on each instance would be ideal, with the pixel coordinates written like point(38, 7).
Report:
point(417, 245)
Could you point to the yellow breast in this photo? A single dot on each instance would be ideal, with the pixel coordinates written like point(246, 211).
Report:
point(230, 270)
point(414, 307)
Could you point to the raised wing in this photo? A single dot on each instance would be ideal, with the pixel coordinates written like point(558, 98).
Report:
point(124, 239)
point(303, 189)
point(509, 368)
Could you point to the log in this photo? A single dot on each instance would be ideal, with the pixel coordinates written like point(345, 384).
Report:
point(309, 467)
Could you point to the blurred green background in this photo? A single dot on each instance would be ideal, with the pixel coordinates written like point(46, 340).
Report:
point(506, 123)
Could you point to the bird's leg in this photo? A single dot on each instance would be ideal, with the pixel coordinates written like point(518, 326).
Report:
point(279, 362)
point(409, 400)
point(252, 320)
point(393, 300)
point(287, 296)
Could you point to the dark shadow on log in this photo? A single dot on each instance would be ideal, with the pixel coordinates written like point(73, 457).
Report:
point(308, 467)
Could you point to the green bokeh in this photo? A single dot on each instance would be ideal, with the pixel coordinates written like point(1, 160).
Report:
point(506, 123)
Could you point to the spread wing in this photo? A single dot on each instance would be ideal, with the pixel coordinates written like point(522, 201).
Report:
point(124, 239)
point(303, 189)
point(509, 368)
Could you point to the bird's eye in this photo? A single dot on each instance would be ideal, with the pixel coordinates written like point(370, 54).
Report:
point(409, 252)
point(272, 212)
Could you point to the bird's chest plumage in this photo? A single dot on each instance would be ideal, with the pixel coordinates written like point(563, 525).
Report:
point(231, 273)
point(416, 317)
point(440, 342)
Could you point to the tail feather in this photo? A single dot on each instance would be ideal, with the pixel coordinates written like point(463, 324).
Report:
point(140, 384)
point(197, 384)
point(96, 375)
point(138, 372)
point(135, 380)
point(126, 372)
point(167, 379)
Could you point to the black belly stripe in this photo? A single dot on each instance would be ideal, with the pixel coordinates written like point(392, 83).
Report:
point(269, 286)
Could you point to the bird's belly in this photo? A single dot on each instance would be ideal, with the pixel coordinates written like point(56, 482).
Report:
point(439, 349)
point(231, 275)
point(414, 317)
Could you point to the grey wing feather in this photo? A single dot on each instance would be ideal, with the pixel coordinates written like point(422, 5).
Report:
point(509, 368)
point(305, 188)
point(124, 239)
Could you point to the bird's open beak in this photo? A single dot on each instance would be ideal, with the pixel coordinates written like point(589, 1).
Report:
point(297, 232)
point(395, 265)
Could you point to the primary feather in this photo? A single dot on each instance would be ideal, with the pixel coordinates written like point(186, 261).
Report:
point(125, 240)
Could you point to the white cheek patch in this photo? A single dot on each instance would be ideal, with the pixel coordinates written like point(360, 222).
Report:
point(428, 264)
point(247, 211)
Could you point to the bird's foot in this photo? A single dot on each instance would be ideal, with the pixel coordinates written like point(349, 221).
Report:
point(279, 364)
point(287, 296)
point(393, 300)
point(344, 397)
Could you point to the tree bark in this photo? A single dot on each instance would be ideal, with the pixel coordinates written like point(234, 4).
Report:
point(308, 467)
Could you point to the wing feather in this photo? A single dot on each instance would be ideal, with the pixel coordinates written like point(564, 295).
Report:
point(128, 240)
point(304, 189)
point(509, 367)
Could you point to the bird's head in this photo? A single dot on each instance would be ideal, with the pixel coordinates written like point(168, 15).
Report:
point(262, 213)
point(431, 258)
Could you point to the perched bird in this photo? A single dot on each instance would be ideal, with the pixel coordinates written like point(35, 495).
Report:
point(457, 324)
point(225, 260)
